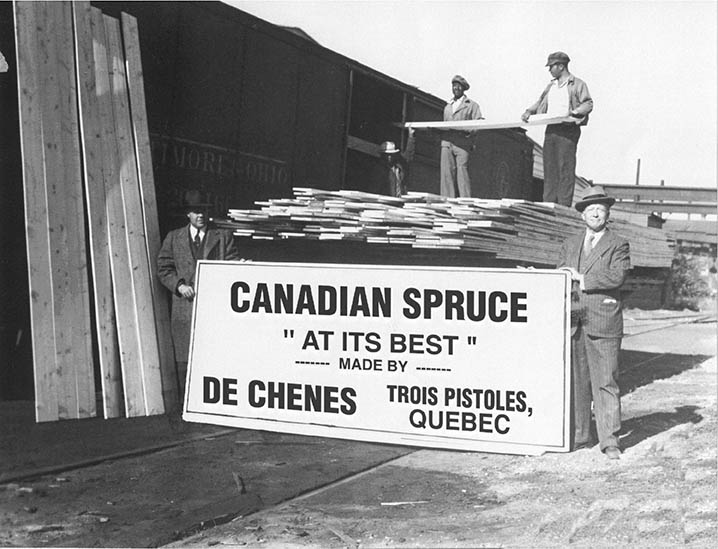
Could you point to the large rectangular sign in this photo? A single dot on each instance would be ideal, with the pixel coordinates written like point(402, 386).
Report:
point(454, 358)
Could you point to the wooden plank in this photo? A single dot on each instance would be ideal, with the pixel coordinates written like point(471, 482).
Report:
point(65, 385)
point(535, 120)
point(706, 226)
point(363, 146)
point(150, 373)
point(93, 171)
point(122, 290)
point(36, 216)
point(666, 207)
point(57, 235)
point(67, 219)
point(131, 40)
point(656, 192)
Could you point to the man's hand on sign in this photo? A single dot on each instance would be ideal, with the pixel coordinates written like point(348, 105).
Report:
point(525, 116)
point(575, 275)
point(186, 291)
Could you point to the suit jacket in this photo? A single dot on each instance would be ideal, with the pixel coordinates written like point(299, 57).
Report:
point(468, 110)
point(398, 172)
point(176, 264)
point(598, 306)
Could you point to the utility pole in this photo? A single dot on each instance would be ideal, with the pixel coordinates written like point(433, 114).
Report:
point(638, 170)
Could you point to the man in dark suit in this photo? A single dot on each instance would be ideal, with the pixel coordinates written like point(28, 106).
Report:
point(397, 164)
point(176, 264)
point(598, 261)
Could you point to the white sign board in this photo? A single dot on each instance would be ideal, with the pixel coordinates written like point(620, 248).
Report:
point(454, 358)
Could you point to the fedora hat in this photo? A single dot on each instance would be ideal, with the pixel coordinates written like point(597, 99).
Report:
point(461, 81)
point(388, 147)
point(192, 201)
point(557, 57)
point(594, 195)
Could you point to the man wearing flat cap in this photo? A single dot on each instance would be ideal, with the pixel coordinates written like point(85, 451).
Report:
point(566, 96)
point(599, 261)
point(456, 146)
point(176, 264)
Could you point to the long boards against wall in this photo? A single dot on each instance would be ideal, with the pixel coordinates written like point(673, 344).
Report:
point(91, 216)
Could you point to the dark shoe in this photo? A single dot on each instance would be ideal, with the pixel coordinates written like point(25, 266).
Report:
point(612, 452)
point(583, 445)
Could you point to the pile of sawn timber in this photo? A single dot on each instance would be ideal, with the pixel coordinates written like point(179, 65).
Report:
point(529, 233)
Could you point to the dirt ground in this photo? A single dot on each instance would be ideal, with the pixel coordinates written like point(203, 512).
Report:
point(662, 493)
point(260, 489)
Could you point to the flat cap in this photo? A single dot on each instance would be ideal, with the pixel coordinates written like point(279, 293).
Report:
point(461, 81)
point(557, 57)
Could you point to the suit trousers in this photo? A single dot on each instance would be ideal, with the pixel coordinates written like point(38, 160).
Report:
point(455, 171)
point(595, 377)
point(559, 163)
point(182, 378)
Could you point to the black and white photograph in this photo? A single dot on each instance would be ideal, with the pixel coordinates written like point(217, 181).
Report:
point(359, 273)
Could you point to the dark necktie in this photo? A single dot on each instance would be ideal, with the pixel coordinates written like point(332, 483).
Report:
point(588, 245)
point(197, 241)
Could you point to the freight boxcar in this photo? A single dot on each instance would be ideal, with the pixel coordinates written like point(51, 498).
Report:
point(244, 110)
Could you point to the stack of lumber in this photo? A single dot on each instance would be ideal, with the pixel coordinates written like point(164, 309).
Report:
point(528, 233)
point(89, 192)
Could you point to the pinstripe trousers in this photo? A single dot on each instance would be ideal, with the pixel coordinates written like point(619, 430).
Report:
point(595, 377)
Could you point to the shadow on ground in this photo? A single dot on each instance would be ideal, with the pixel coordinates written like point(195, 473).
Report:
point(638, 429)
point(637, 368)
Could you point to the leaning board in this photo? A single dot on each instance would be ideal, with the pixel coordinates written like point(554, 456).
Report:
point(59, 287)
point(146, 397)
point(95, 163)
point(135, 81)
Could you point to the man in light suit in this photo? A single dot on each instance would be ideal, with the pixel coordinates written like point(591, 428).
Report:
point(598, 260)
point(176, 264)
point(456, 145)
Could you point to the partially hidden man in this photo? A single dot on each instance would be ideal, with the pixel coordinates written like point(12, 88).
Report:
point(565, 96)
point(456, 145)
point(176, 264)
point(598, 260)
point(397, 165)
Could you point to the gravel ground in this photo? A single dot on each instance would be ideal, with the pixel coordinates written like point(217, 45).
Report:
point(260, 489)
point(662, 493)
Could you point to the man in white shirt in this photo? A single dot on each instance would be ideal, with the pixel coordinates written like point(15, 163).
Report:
point(566, 95)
